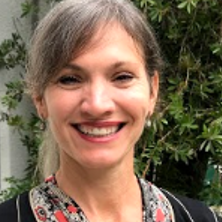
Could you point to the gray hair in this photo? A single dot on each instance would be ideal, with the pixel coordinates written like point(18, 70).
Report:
point(67, 29)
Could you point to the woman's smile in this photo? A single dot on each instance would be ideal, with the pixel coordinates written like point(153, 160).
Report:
point(99, 134)
point(98, 129)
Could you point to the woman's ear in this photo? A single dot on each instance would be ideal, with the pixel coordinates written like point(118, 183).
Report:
point(40, 105)
point(154, 90)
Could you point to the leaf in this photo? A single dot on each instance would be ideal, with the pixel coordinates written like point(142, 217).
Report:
point(189, 8)
point(164, 121)
point(182, 5)
point(202, 146)
point(208, 146)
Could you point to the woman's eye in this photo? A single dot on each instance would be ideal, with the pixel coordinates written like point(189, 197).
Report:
point(68, 80)
point(124, 77)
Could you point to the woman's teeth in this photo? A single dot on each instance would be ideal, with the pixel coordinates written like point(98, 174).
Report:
point(98, 131)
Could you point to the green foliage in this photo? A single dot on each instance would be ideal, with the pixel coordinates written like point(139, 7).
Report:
point(17, 186)
point(28, 8)
point(187, 127)
point(212, 191)
point(13, 94)
point(30, 136)
point(12, 52)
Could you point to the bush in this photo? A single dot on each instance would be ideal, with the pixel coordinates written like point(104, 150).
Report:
point(187, 129)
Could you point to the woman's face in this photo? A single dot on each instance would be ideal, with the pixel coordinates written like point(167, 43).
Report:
point(97, 104)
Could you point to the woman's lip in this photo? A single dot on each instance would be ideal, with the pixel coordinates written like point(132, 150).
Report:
point(105, 139)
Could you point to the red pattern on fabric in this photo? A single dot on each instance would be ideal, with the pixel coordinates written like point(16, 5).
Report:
point(161, 197)
point(51, 204)
point(41, 213)
point(72, 209)
point(60, 216)
point(160, 215)
point(49, 179)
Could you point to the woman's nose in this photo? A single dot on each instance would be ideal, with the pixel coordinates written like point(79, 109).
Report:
point(97, 101)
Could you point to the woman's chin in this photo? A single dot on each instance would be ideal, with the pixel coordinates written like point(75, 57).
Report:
point(100, 163)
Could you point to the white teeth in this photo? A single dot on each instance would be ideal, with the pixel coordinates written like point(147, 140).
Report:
point(98, 131)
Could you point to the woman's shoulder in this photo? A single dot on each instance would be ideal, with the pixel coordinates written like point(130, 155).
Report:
point(17, 209)
point(8, 210)
point(187, 209)
point(183, 209)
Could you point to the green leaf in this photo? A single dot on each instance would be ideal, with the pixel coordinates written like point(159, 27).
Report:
point(182, 5)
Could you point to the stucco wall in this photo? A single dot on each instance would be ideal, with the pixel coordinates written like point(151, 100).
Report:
point(12, 154)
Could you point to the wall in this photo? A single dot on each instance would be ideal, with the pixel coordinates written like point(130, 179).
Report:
point(12, 154)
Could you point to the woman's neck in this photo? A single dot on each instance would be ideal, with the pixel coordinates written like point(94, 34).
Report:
point(103, 195)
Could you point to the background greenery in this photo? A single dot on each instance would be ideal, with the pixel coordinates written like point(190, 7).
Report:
point(182, 151)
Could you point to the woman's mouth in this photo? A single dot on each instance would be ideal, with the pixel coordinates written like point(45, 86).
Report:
point(98, 131)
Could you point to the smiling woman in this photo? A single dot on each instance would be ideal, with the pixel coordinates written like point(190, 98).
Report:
point(97, 109)
point(68, 32)
point(93, 74)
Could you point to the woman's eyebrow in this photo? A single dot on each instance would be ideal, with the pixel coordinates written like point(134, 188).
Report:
point(74, 67)
point(119, 64)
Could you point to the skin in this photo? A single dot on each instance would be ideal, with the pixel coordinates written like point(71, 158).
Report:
point(104, 86)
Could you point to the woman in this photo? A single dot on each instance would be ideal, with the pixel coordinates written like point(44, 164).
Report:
point(94, 70)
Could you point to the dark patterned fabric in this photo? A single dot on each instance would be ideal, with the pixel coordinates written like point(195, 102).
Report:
point(50, 204)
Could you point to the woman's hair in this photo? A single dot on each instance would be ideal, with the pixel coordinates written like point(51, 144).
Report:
point(65, 32)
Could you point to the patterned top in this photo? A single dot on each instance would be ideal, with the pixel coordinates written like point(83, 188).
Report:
point(50, 204)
